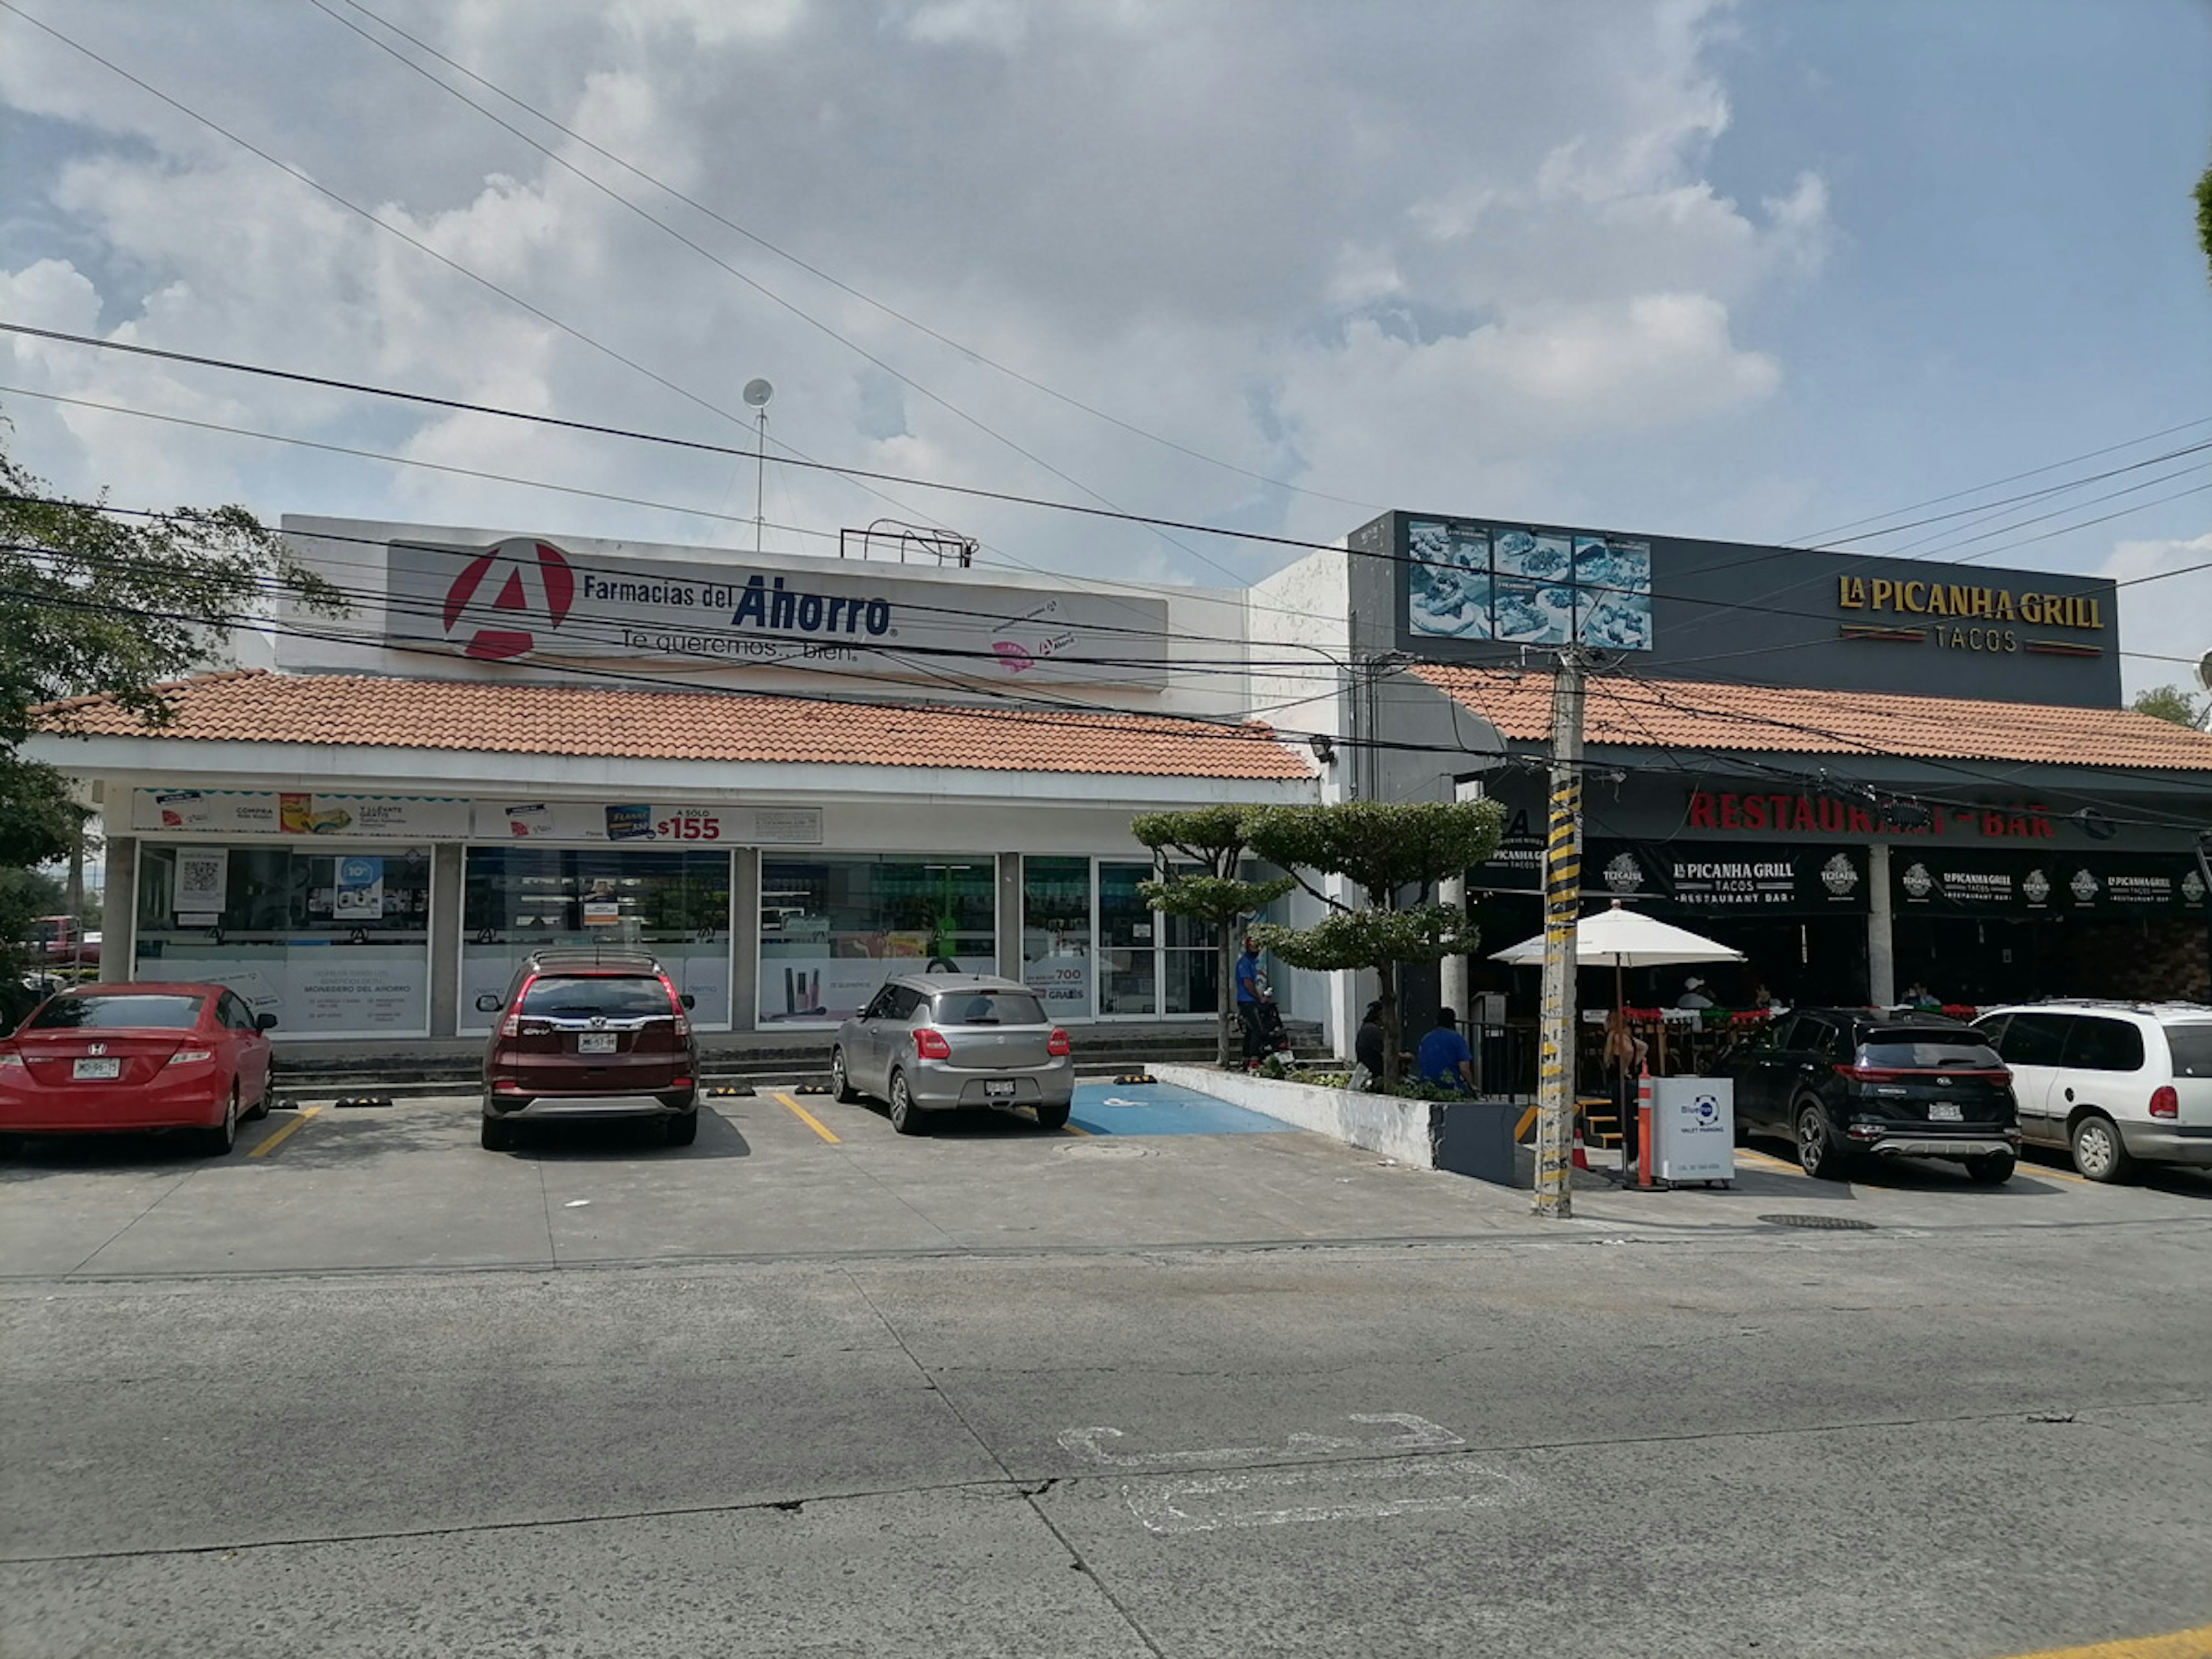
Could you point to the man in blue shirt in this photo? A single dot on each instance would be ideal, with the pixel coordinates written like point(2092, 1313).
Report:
point(1444, 1056)
point(1248, 999)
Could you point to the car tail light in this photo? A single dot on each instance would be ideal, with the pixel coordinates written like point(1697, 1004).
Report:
point(676, 1006)
point(512, 1025)
point(190, 1056)
point(2165, 1102)
point(1056, 1044)
point(11, 1061)
point(1867, 1073)
point(931, 1045)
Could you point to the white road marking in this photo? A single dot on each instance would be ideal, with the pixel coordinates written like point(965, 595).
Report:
point(1419, 1434)
point(1427, 1485)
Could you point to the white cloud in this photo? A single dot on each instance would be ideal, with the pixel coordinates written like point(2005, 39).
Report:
point(2170, 617)
point(1427, 254)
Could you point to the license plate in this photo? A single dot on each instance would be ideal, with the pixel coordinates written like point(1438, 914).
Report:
point(595, 1043)
point(96, 1068)
point(999, 1088)
point(1944, 1111)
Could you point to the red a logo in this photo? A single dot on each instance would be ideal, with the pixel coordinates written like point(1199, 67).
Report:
point(531, 585)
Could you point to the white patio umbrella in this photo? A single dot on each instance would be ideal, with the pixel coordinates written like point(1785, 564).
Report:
point(1620, 938)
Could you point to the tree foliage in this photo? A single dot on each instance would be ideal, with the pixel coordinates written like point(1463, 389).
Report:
point(2168, 703)
point(1211, 841)
point(2204, 216)
point(1396, 852)
point(95, 604)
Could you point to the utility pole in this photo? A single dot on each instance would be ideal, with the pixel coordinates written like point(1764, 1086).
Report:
point(1563, 882)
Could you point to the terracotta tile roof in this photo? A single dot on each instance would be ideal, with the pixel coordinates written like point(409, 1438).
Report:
point(250, 706)
point(1702, 715)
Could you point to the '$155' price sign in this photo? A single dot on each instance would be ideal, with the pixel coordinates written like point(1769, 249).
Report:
point(689, 825)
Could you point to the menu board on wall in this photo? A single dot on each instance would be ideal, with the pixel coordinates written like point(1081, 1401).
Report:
point(252, 812)
point(643, 822)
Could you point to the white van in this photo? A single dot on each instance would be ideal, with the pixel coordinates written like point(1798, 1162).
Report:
point(2115, 1083)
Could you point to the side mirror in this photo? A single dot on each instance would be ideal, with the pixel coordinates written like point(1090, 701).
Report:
point(689, 1000)
point(264, 1021)
point(487, 1004)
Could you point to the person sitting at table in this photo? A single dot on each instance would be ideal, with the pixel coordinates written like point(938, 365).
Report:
point(1693, 994)
point(1444, 1056)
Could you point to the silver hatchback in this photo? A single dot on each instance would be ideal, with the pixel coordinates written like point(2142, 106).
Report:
point(937, 1042)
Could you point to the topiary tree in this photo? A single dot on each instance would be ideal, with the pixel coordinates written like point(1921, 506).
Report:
point(1212, 839)
point(1395, 853)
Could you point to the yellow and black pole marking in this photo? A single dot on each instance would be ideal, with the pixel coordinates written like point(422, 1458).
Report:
point(1563, 886)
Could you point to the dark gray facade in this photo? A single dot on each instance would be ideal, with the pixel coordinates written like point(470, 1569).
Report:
point(1731, 612)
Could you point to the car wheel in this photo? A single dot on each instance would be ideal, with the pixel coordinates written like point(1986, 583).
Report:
point(840, 1083)
point(268, 1094)
point(1816, 1154)
point(497, 1135)
point(683, 1128)
point(905, 1117)
point(2099, 1151)
point(1991, 1172)
point(218, 1141)
point(1052, 1117)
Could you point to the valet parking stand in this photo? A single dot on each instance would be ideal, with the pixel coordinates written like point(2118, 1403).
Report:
point(1685, 1133)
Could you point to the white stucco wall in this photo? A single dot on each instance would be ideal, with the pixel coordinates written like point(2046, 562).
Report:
point(1378, 1123)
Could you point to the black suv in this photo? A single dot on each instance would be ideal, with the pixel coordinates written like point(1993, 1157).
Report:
point(1846, 1084)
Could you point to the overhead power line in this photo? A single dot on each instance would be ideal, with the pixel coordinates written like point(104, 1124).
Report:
point(700, 446)
point(692, 202)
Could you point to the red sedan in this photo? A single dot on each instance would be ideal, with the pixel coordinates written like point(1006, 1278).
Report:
point(110, 1059)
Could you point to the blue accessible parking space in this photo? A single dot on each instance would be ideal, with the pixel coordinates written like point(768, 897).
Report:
point(1161, 1109)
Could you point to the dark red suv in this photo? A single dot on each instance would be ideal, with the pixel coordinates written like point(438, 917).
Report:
point(587, 1035)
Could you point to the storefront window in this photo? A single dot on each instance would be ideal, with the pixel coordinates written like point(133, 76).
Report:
point(1128, 965)
point(832, 930)
point(519, 899)
point(1056, 933)
point(1192, 980)
point(333, 943)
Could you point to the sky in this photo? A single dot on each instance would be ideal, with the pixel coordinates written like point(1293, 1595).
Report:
point(1748, 271)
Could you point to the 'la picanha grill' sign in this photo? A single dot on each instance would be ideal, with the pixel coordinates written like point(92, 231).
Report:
point(525, 599)
point(1961, 617)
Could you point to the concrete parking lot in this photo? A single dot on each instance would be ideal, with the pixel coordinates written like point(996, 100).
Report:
point(778, 1174)
point(810, 1387)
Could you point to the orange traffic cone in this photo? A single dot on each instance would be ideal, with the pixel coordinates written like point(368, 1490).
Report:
point(1581, 1158)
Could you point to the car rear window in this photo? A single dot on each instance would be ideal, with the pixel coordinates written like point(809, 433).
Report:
point(989, 1008)
point(1928, 1051)
point(617, 996)
point(145, 1010)
point(2192, 1049)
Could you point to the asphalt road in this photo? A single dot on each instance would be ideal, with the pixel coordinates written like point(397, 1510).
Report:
point(1429, 1428)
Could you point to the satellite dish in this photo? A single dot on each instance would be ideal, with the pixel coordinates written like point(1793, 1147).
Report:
point(2204, 670)
point(758, 393)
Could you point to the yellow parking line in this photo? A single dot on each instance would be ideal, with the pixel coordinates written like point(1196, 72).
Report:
point(807, 1118)
point(292, 1129)
point(1070, 1129)
point(2181, 1644)
point(1771, 1163)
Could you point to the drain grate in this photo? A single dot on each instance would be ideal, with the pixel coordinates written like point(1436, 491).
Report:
point(1833, 1224)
